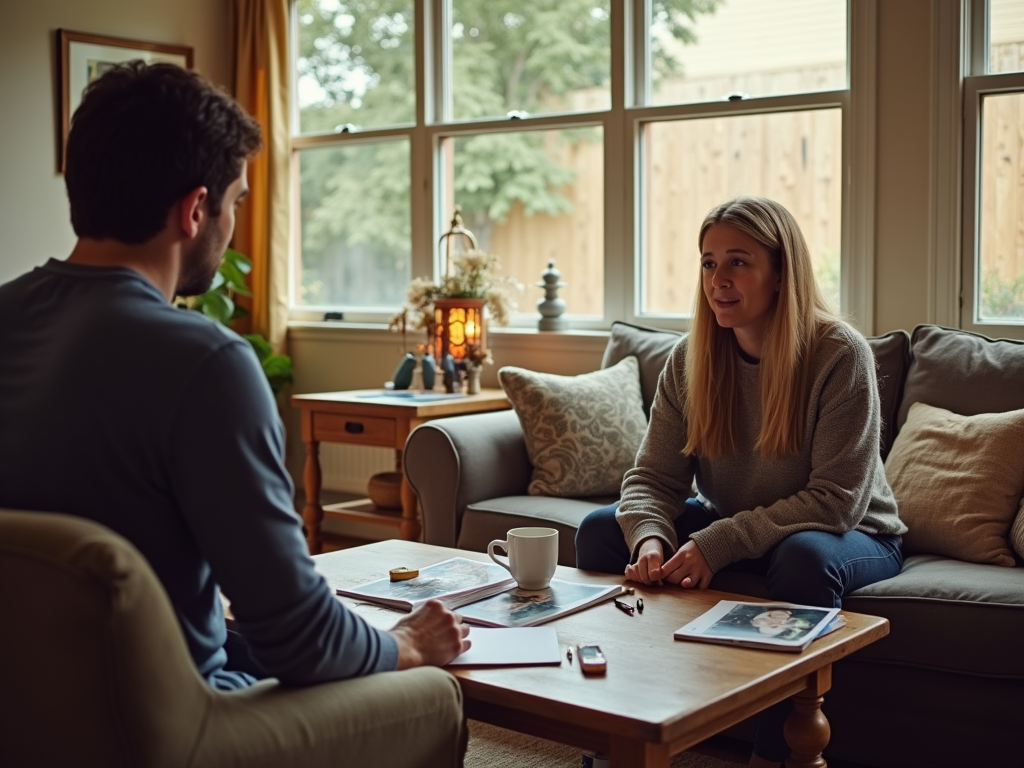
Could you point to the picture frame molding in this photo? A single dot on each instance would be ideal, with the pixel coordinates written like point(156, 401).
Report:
point(66, 38)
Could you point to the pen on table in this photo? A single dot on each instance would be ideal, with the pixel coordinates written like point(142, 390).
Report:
point(624, 607)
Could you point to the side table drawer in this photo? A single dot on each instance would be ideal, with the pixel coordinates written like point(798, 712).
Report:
point(362, 430)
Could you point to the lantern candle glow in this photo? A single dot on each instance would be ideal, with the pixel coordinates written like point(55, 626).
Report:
point(458, 323)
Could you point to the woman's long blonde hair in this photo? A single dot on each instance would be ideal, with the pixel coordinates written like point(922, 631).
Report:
point(799, 315)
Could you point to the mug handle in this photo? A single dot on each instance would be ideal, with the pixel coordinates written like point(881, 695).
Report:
point(498, 543)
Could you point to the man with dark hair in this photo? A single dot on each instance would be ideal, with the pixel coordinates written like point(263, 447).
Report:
point(156, 422)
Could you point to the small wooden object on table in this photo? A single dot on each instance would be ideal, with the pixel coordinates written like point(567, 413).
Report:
point(373, 417)
point(659, 696)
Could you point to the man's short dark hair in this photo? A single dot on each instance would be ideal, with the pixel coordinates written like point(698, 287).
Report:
point(144, 137)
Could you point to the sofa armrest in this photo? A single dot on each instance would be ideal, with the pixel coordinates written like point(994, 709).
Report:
point(454, 462)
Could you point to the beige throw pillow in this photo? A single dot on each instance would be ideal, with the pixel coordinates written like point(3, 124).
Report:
point(582, 432)
point(1017, 532)
point(958, 482)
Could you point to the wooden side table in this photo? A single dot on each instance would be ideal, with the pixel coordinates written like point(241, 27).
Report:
point(376, 417)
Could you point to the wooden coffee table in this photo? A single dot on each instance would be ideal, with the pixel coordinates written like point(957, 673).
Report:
point(659, 697)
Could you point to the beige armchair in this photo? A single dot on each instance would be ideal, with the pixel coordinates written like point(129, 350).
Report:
point(94, 671)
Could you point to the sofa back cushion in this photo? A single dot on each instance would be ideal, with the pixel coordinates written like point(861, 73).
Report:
point(650, 346)
point(892, 357)
point(963, 372)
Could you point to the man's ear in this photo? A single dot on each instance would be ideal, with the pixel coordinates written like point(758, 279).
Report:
point(192, 211)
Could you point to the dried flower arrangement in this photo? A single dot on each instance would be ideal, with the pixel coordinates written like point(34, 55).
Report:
point(478, 357)
point(474, 275)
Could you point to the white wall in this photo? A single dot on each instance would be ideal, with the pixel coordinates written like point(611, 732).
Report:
point(34, 222)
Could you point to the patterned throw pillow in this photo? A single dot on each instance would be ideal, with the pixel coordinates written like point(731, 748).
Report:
point(582, 432)
point(958, 482)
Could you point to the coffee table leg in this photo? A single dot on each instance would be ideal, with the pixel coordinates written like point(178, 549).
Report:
point(625, 753)
point(312, 512)
point(807, 732)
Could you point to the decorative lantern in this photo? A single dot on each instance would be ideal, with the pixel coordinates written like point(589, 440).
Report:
point(458, 322)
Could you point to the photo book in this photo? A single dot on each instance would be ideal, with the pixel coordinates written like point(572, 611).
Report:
point(454, 582)
point(771, 626)
point(529, 607)
point(484, 593)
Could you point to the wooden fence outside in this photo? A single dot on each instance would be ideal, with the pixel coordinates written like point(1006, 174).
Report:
point(692, 165)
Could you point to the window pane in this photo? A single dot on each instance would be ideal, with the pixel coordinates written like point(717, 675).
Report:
point(1001, 217)
point(354, 229)
point(534, 56)
point(532, 197)
point(690, 166)
point(749, 47)
point(1006, 36)
point(355, 64)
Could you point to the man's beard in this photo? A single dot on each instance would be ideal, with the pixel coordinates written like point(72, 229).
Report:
point(199, 265)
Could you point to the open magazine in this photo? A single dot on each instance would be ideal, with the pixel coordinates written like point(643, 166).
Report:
point(772, 626)
point(454, 582)
point(484, 593)
point(529, 607)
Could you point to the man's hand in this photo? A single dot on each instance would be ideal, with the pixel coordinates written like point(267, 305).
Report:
point(648, 566)
point(430, 636)
point(687, 567)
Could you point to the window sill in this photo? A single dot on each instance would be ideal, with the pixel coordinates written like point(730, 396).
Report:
point(500, 339)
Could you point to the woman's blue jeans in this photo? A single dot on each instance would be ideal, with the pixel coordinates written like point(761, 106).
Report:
point(809, 567)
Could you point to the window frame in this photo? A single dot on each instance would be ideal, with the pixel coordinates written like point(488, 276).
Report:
point(976, 84)
point(622, 128)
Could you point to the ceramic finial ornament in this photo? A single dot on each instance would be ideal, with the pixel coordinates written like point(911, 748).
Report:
point(551, 307)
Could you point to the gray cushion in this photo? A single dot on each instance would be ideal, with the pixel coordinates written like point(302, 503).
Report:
point(892, 357)
point(963, 372)
point(948, 615)
point(650, 346)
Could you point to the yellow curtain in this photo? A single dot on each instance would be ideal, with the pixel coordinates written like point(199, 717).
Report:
point(259, 30)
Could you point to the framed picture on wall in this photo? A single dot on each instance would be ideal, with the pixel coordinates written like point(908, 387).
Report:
point(84, 57)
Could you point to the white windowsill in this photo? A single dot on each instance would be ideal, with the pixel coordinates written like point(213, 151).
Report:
point(515, 338)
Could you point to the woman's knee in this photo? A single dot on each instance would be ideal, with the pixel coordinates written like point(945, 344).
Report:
point(599, 542)
point(802, 570)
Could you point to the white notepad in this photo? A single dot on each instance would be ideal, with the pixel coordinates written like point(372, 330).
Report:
point(511, 646)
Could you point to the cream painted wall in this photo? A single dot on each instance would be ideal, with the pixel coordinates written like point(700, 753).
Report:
point(902, 212)
point(34, 221)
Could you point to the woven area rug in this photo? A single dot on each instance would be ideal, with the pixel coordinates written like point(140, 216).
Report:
point(492, 747)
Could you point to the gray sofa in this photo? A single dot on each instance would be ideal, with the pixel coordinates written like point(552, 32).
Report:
point(944, 689)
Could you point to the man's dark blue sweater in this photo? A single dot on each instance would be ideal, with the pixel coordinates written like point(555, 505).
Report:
point(159, 424)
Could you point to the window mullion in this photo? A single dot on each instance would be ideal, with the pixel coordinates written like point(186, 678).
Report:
point(859, 148)
point(429, 100)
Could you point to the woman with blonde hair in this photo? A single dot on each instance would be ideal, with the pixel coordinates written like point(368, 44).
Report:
point(769, 410)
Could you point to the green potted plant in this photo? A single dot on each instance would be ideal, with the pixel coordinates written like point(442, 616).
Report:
point(218, 303)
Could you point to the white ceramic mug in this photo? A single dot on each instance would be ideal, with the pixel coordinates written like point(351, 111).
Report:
point(532, 555)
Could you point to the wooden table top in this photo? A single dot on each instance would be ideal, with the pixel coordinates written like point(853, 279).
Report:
point(657, 689)
point(413, 404)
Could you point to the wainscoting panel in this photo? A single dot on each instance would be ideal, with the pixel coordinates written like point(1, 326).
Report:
point(349, 467)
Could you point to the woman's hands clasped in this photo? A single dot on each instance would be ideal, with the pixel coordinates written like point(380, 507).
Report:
point(687, 567)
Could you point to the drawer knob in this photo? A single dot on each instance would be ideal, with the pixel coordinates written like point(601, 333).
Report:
point(354, 427)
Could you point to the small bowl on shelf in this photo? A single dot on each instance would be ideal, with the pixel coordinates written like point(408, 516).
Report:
point(385, 490)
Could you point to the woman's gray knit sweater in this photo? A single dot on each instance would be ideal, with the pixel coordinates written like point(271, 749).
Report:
point(835, 483)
